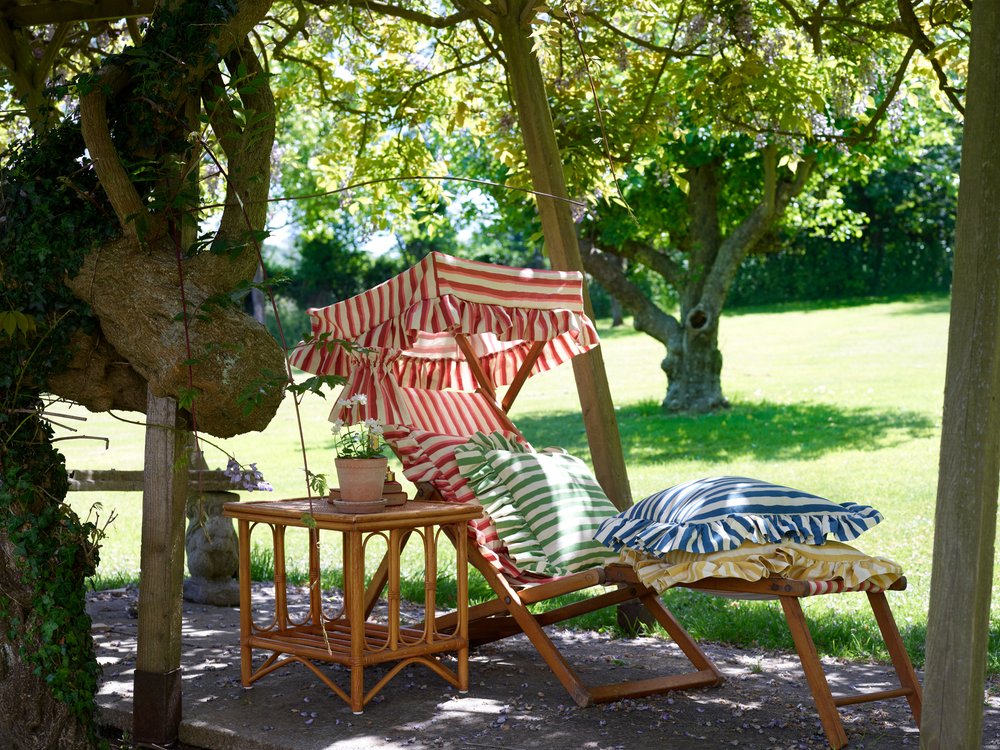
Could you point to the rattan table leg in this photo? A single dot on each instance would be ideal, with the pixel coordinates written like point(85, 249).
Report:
point(462, 574)
point(354, 608)
point(246, 653)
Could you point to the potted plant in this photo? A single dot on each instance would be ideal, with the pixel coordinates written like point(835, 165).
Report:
point(361, 466)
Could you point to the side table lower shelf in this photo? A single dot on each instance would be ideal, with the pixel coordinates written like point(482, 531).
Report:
point(348, 637)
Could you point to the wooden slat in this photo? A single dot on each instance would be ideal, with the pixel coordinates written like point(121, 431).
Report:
point(897, 652)
point(564, 585)
point(522, 375)
point(486, 385)
point(129, 480)
point(161, 575)
point(652, 686)
point(880, 695)
point(290, 513)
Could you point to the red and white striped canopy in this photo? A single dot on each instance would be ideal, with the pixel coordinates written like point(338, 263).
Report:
point(408, 324)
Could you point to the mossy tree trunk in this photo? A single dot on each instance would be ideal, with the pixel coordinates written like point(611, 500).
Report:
point(142, 310)
point(45, 551)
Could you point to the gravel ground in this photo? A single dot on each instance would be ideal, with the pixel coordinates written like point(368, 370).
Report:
point(514, 701)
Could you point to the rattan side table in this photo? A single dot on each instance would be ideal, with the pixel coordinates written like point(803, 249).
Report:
point(349, 637)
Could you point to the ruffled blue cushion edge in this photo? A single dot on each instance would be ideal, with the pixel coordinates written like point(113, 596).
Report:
point(658, 538)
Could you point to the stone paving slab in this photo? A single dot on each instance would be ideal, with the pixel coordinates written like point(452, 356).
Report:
point(514, 701)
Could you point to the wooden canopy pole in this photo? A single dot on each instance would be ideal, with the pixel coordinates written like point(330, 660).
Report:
point(965, 518)
point(157, 686)
point(542, 151)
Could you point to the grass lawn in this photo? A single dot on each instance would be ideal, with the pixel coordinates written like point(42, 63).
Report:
point(844, 402)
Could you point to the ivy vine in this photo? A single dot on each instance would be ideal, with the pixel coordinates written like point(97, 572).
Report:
point(52, 213)
point(51, 217)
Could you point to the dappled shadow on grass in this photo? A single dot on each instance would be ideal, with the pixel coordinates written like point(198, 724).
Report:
point(761, 430)
point(932, 302)
point(929, 306)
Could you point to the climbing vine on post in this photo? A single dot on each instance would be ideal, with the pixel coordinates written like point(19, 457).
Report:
point(102, 298)
point(46, 550)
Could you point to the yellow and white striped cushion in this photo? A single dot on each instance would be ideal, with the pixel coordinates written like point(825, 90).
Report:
point(753, 562)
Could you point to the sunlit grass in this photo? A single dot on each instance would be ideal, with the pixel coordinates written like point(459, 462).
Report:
point(844, 402)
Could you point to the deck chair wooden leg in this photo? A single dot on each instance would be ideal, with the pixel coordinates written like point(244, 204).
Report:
point(815, 676)
point(897, 652)
point(679, 635)
point(542, 643)
point(706, 675)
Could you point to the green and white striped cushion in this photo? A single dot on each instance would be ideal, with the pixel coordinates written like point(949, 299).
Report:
point(475, 466)
point(546, 505)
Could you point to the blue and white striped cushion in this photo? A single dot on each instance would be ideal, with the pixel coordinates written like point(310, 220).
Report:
point(721, 513)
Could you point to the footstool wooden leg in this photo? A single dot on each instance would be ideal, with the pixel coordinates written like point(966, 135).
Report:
point(822, 696)
point(897, 652)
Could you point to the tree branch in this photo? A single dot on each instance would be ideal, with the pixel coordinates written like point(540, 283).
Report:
point(647, 317)
point(291, 30)
point(52, 49)
point(702, 240)
point(478, 10)
point(655, 260)
point(115, 181)
point(247, 184)
point(913, 30)
point(460, 66)
point(221, 116)
point(869, 129)
point(639, 41)
point(7, 46)
point(745, 237)
point(424, 19)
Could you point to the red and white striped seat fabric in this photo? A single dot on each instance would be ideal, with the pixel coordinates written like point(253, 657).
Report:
point(451, 412)
point(405, 353)
point(442, 422)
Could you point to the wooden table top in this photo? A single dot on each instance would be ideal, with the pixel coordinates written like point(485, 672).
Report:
point(294, 512)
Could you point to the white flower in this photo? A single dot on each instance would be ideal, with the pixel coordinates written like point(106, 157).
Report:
point(343, 402)
point(360, 398)
point(374, 426)
point(337, 426)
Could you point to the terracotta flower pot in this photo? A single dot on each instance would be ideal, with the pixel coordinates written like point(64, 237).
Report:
point(361, 479)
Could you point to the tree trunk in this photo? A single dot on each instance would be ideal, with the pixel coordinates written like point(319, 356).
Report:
point(43, 607)
point(617, 313)
point(694, 367)
point(958, 626)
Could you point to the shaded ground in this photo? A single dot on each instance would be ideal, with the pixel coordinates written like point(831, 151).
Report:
point(514, 702)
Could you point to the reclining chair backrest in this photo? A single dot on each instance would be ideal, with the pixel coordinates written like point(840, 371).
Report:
point(459, 413)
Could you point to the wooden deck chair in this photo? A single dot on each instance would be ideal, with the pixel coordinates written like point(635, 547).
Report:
point(431, 349)
point(455, 412)
point(443, 414)
point(789, 592)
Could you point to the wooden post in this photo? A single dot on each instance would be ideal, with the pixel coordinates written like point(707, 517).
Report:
point(542, 151)
point(157, 685)
point(965, 518)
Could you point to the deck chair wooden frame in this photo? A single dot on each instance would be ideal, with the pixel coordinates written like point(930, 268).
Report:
point(509, 614)
point(789, 592)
